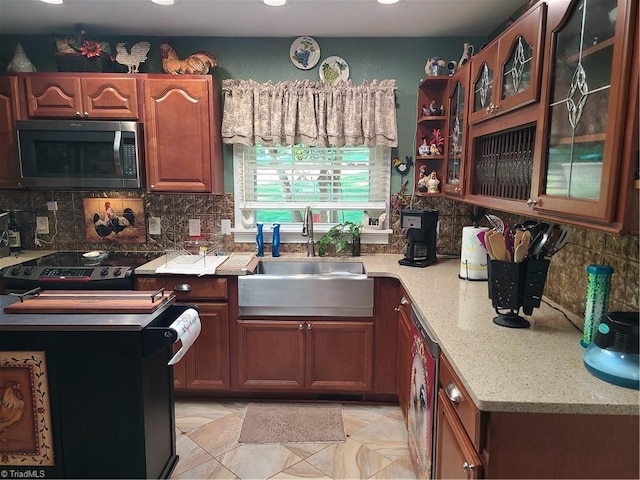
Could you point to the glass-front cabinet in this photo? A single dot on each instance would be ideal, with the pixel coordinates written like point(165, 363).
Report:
point(505, 74)
point(456, 125)
point(585, 102)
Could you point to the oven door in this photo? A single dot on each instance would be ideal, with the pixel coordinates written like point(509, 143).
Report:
point(422, 398)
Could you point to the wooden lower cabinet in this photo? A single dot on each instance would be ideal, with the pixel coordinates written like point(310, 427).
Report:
point(312, 355)
point(455, 454)
point(471, 443)
point(205, 366)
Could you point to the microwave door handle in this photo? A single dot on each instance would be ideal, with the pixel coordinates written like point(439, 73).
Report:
point(117, 145)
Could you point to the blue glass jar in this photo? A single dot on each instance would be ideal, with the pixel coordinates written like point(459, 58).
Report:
point(260, 240)
point(275, 241)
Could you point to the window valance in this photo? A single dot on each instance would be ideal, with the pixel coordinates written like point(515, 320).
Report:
point(310, 113)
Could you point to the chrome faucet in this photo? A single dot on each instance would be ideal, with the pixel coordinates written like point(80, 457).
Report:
point(307, 231)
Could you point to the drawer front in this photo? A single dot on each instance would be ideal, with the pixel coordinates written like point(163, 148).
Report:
point(460, 401)
point(187, 288)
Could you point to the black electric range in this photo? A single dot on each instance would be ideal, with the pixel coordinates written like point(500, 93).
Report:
point(77, 271)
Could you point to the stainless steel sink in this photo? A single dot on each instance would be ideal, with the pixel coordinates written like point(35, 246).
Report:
point(306, 288)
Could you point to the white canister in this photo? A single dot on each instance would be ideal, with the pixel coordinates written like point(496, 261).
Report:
point(473, 256)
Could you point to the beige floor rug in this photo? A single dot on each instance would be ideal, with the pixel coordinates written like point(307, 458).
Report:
point(292, 423)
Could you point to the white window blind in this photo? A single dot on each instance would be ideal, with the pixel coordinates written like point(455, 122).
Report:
point(278, 183)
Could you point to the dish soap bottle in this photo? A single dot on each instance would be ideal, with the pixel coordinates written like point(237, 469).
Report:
point(260, 240)
point(15, 242)
point(275, 241)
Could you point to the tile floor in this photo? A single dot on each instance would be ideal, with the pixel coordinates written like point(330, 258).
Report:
point(207, 433)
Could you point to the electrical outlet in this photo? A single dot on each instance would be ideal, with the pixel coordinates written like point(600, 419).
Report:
point(154, 226)
point(42, 225)
point(52, 205)
point(194, 227)
point(225, 226)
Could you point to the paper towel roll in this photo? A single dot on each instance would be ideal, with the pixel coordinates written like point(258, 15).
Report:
point(473, 257)
point(187, 326)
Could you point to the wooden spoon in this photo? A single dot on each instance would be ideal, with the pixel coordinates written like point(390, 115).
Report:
point(499, 248)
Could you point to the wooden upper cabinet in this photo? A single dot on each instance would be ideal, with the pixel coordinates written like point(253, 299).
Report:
point(589, 100)
point(182, 134)
point(456, 111)
point(505, 75)
point(9, 170)
point(88, 96)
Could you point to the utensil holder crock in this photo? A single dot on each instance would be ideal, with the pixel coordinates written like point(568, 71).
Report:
point(515, 285)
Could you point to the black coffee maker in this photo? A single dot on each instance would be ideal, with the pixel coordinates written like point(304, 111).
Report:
point(419, 228)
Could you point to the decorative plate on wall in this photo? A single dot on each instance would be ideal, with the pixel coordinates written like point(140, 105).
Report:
point(304, 53)
point(333, 69)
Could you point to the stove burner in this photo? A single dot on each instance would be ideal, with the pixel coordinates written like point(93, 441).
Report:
point(70, 270)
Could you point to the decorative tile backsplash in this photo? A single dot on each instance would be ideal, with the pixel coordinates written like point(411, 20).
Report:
point(566, 282)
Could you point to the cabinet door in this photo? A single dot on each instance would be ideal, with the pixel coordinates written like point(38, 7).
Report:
point(9, 169)
point(110, 98)
point(339, 355)
point(271, 354)
point(483, 80)
point(178, 134)
point(519, 61)
point(207, 365)
point(456, 131)
point(585, 107)
point(53, 96)
point(403, 359)
point(455, 455)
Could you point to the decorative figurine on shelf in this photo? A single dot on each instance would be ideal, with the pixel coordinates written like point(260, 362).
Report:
point(20, 62)
point(453, 180)
point(437, 143)
point(133, 59)
point(434, 67)
point(425, 110)
point(424, 148)
point(467, 53)
point(433, 183)
point(435, 111)
point(422, 179)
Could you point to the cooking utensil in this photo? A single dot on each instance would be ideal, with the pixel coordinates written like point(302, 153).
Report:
point(496, 222)
point(553, 232)
point(499, 248)
point(562, 240)
point(520, 253)
point(487, 241)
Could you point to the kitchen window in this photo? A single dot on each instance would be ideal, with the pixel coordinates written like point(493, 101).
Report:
point(276, 184)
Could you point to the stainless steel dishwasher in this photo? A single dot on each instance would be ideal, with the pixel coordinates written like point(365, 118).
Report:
point(421, 424)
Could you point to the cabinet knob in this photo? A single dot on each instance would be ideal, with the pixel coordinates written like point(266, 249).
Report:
point(453, 393)
point(397, 309)
point(301, 326)
point(153, 187)
point(404, 301)
point(488, 109)
point(182, 287)
point(531, 203)
point(457, 189)
point(308, 326)
point(77, 114)
point(86, 114)
point(466, 466)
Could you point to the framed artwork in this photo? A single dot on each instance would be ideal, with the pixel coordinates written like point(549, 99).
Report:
point(114, 220)
point(25, 416)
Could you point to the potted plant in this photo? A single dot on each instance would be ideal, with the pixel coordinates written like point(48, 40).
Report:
point(340, 237)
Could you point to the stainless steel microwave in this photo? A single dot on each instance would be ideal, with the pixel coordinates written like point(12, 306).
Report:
point(79, 153)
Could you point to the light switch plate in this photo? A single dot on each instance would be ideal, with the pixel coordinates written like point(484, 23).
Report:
point(154, 226)
point(194, 227)
point(225, 226)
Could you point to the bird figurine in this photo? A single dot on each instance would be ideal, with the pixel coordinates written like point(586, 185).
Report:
point(196, 63)
point(20, 62)
point(403, 167)
point(132, 60)
point(435, 111)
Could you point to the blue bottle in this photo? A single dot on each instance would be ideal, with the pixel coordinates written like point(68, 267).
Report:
point(259, 241)
point(275, 241)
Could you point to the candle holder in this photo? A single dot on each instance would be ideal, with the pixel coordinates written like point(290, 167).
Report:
point(515, 285)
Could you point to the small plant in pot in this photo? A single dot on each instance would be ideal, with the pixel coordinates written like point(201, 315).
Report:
point(343, 237)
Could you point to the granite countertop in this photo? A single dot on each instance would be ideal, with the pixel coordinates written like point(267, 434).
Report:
point(538, 369)
point(25, 256)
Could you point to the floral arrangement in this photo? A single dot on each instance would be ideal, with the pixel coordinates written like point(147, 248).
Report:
point(88, 48)
point(437, 142)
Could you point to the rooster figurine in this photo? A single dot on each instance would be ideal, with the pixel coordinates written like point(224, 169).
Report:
point(199, 62)
point(132, 60)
